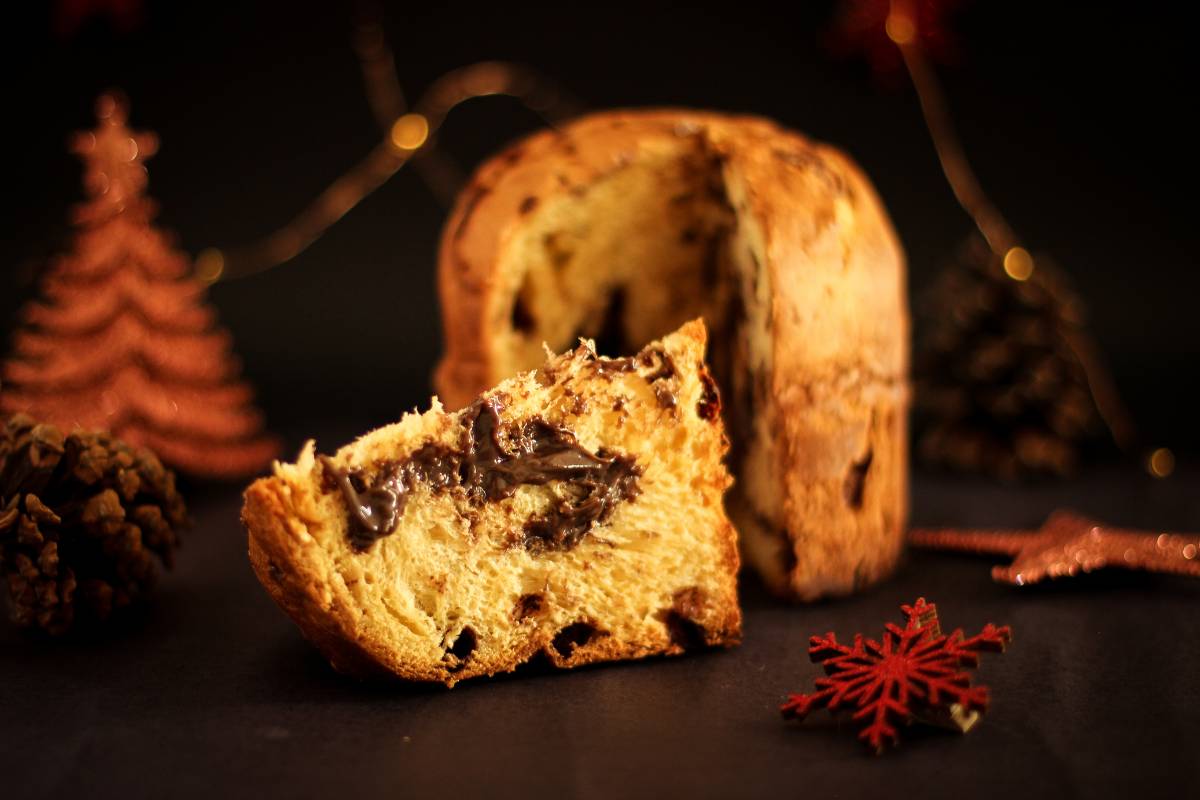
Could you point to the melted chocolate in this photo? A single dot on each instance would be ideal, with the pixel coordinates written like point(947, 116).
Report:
point(607, 367)
point(658, 361)
point(709, 407)
point(529, 605)
point(376, 507)
point(680, 619)
point(590, 499)
point(538, 453)
point(666, 398)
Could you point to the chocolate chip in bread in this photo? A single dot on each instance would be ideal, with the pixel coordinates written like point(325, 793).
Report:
point(623, 224)
point(572, 513)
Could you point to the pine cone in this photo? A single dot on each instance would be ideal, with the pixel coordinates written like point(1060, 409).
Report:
point(1000, 385)
point(83, 518)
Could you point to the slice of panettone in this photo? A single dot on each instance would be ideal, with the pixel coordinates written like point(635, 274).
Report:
point(574, 511)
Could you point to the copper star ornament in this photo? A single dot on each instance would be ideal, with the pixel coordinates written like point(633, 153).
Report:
point(1067, 544)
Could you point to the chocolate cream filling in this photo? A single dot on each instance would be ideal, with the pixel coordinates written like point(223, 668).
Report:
point(486, 471)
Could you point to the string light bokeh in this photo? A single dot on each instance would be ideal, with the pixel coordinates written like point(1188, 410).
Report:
point(902, 26)
point(912, 29)
point(406, 136)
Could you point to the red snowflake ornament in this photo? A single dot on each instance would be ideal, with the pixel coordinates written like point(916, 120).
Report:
point(913, 673)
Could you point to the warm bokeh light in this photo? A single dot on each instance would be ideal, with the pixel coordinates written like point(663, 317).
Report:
point(107, 105)
point(1018, 264)
point(410, 131)
point(1161, 462)
point(404, 134)
point(209, 265)
point(900, 28)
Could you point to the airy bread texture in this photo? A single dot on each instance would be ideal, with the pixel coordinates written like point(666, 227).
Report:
point(622, 224)
point(460, 586)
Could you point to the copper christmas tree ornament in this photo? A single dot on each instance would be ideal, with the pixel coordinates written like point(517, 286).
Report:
point(122, 339)
point(1068, 544)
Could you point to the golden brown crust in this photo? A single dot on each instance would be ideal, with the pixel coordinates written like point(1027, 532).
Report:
point(837, 388)
point(784, 172)
point(290, 573)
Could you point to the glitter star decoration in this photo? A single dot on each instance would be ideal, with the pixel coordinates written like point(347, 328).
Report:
point(914, 673)
point(1069, 544)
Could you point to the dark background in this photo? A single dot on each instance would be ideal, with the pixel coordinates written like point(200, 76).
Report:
point(1076, 121)
point(1078, 124)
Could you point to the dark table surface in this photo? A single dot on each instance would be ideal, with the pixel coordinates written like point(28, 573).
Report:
point(210, 690)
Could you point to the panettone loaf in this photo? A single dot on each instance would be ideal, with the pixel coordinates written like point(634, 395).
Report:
point(573, 512)
point(623, 224)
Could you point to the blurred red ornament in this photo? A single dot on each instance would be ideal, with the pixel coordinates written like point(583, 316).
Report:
point(123, 340)
point(875, 29)
point(71, 15)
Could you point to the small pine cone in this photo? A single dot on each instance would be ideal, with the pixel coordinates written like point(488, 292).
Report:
point(1000, 389)
point(84, 520)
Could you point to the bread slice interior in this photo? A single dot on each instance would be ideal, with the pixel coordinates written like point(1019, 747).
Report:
point(572, 513)
point(661, 240)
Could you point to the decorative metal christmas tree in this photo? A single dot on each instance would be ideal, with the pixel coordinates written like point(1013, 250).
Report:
point(122, 340)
